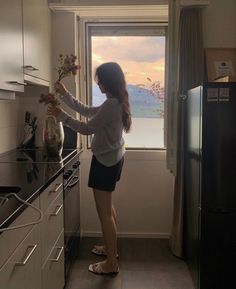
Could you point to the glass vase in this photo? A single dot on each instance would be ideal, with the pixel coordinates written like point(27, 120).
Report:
point(53, 137)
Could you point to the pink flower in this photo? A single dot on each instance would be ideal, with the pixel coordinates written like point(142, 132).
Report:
point(67, 66)
point(154, 87)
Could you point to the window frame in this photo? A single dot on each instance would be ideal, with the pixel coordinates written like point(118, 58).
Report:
point(121, 29)
point(140, 15)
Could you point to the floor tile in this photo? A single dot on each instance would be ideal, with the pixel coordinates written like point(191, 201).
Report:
point(144, 264)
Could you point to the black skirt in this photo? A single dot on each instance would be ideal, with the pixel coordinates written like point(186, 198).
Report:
point(104, 178)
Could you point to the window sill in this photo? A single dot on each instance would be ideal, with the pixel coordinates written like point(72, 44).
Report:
point(144, 155)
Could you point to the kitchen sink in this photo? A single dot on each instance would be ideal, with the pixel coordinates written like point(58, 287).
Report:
point(5, 190)
point(9, 189)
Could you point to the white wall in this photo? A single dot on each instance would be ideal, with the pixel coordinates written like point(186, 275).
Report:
point(143, 197)
point(12, 115)
point(29, 101)
point(219, 24)
point(108, 2)
point(9, 113)
point(64, 40)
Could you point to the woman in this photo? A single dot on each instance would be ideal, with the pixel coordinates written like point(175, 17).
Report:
point(107, 123)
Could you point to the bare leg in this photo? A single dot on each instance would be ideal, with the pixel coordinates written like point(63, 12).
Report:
point(102, 248)
point(103, 200)
point(114, 215)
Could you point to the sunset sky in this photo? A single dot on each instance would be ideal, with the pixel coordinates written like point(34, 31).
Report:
point(140, 57)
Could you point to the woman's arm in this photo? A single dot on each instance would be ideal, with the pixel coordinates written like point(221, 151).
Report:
point(105, 115)
point(73, 103)
point(78, 106)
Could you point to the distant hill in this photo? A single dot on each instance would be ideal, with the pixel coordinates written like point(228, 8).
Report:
point(143, 103)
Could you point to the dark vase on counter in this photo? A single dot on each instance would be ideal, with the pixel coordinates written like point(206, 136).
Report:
point(53, 137)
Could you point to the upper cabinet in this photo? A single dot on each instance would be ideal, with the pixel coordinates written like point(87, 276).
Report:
point(11, 46)
point(36, 39)
point(25, 48)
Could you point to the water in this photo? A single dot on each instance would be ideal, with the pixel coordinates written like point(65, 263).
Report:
point(145, 133)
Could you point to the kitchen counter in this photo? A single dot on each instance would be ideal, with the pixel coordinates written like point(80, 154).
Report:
point(31, 176)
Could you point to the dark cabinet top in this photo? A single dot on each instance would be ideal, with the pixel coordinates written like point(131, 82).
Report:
point(27, 178)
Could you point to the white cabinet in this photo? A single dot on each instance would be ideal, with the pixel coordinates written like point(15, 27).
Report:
point(52, 226)
point(21, 270)
point(32, 257)
point(11, 46)
point(53, 275)
point(25, 50)
point(37, 48)
point(9, 240)
point(52, 236)
point(22, 254)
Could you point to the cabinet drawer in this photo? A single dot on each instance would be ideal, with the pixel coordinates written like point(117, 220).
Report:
point(51, 193)
point(8, 239)
point(22, 270)
point(53, 276)
point(52, 225)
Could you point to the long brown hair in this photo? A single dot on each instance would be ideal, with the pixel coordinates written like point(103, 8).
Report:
point(111, 76)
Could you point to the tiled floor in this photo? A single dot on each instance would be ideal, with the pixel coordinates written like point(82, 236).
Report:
point(144, 264)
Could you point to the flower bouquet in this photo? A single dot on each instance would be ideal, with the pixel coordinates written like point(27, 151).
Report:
point(66, 67)
point(53, 135)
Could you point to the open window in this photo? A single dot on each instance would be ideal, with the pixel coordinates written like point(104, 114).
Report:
point(140, 50)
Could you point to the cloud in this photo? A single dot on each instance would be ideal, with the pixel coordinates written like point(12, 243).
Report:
point(134, 48)
point(138, 72)
point(139, 57)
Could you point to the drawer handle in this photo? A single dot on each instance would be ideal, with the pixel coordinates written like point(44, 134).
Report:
point(30, 67)
point(17, 82)
point(60, 249)
point(59, 207)
point(23, 263)
point(56, 189)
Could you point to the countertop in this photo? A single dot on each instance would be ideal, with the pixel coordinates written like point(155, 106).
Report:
point(32, 178)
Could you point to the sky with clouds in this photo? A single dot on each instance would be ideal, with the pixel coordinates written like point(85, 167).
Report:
point(140, 57)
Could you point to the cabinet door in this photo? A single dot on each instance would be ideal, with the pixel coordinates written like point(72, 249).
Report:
point(11, 46)
point(51, 193)
point(36, 27)
point(22, 270)
point(10, 240)
point(51, 226)
point(53, 274)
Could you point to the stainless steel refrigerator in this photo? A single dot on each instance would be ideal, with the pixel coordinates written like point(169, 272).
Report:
point(210, 185)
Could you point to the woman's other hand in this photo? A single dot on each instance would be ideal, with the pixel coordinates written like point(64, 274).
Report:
point(47, 98)
point(54, 111)
point(60, 88)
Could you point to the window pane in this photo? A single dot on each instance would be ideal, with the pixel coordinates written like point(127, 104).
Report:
point(142, 59)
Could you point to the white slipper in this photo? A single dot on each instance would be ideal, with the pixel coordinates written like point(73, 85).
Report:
point(100, 250)
point(97, 269)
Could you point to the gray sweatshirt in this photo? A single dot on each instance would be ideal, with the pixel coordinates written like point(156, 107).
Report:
point(105, 124)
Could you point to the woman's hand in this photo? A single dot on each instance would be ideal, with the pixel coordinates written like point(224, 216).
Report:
point(60, 88)
point(54, 111)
